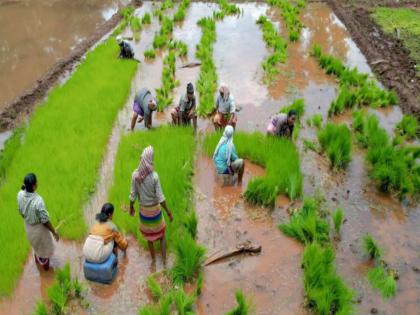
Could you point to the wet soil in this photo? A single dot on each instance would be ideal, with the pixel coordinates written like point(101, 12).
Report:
point(386, 55)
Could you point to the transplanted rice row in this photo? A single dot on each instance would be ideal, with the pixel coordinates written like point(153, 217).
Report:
point(65, 161)
point(290, 14)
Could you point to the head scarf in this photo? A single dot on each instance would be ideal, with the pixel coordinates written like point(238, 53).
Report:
point(227, 139)
point(225, 90)
point(146, 164)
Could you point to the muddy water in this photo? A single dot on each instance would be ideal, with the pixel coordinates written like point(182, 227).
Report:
point(271, 279)
point(35, 34)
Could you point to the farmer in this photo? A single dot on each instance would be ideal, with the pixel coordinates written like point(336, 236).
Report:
point(126, 51)
point(145, 186)
point(185, 111)
point(225, 109)
point(225, 157)
point(143, 106)
point(104, 237)
point(282, 124)
point(39, 229)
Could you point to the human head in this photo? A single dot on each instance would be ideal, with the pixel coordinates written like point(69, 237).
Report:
point(228, 133)
point(291, 117)
point(152, 104)
point(190, 91)
point(119, 39)
point(29, 182)
point(106, 213)
point(224, 91)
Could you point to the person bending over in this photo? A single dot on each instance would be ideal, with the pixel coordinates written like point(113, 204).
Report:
point(185, 111)
point(126, 51)
point(143, 107)
point(281, 125)
point(225, 109)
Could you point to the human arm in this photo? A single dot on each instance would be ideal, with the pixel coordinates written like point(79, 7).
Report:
point(233, 155)
point(120, 240)
point(50, 227)
point(232, 109)
point(133, 196)
point(44, 217)
point(168, 212)
point(134, 120)
point(161, 198)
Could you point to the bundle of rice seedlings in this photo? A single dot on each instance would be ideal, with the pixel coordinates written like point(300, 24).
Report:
point(315, 120)
point(183, 302)
point(310, 145)
point(335, 141)
point(226, 8)
point(154, 287)
point(290, 14)
point(408, 126)
point(135, 24)
point(146, 19)
point(306, 225)
point(180, 13)
point(41, 308)
point(167, 4)
point(383, 281)
point(298, 105)
point(58, 298)
point(243, 307)
point(164, 94)
point(179, 47)
point(338, 217)
point(346, 99)
point(371, 248)
point(150, 54)
point(191, 223)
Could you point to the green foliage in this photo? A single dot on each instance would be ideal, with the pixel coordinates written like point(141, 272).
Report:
point(58, 297)
point(290, 14)
point(200, 282)
point(126, 14)
point(338, 217)
point(179, 47)
point(335, 141)
point(243, 307)
point(326, 292)
point(41, 308)
point(163, 37)
point(406, 20)
point(150, 54)
point(167, 4)
point(315, 120)
point(226, 8)
point(135, 24)
point(371, 248)
point(191, 223)
point(408, 126)
point(310, 145)
point(164, 94)
point(10, 148)
point(183, 302)
point(298, 105)
point(306, 225)
point(146, 19)
point(154, 287)
point(383, 281)
point(180, 13)
point(279, 157)
point(91, 98)
point(189, 257)
point(277, 43)
point(207, 81)
point(173, 299)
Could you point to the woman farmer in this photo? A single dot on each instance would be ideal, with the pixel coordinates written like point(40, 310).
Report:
point(225, 158)
point(104, 237)
point(225, 109)
point(185, 111)
point(39, 229)
point(145, 186)
point(282, 125)
point(143, 107)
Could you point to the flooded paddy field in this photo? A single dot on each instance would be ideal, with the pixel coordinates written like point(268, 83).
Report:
point(273, 279)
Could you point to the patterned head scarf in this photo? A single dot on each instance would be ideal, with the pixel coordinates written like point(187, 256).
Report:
point(146, 164)
point(225, 91)
point(227, 139)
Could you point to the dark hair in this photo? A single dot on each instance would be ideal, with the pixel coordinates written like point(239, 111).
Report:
point(29, 182)
point(291, 112)
point(190, 88)
point(106, 211)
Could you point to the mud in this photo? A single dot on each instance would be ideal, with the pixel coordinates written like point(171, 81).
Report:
point(386, 55)
point(18, 109)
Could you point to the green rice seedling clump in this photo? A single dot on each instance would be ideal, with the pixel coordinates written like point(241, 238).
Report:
point(180, 47)
point(174, 301)
point(150, 54)
point(167, 4)
point(163, 37)
point(279, 157)
point(10, 148)
point(371, 247)
point(338, 218)
point(126, 14)
point(243, 307)
point(164, 94)
point(180, 13)
point(306, 225)
point(146, 19)
point(290, 14)
point(383, 281)
point(41, 308)
point(226, 8)
point(408, 126)
point(315, 121)
point(135, 24)
point(92, 97)
point(335, 141)
point(154, 287)
point(326, 292)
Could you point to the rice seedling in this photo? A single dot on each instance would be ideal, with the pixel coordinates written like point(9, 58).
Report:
point(338, 218)
point(315, 121)
point(408, 126)
point(169, 82)
point(226, 8)
point(41, 308)
point(279, 157)
point(135, 24)
point(290, 14)
point(154, 287)
point(179, 47)
point(158, 13)
point(306, 225)
point(183, 302)
point(243, 307)
point(326, 292)
point(167, 4)
point(180, 13)
point(126, 14)
point(200, 282)
point(383, 281)
point(146, 19)
point(191, 223)
point(10, 148)
point(91, 98)
point(371, 247)
point(298, 105)
point(335, 141)
point(58, 297)
point(311, 145)
point(150, 54)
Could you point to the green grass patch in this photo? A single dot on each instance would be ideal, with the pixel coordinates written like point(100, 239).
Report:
point(407, 21)
point(146, 19)
point(9, 150)
point(371, 247)
point(383, 281)
point(63, 145)
point(180, 13)
point(280, 159)
point(243, 305)
point(314, 121)
point(335, 141)
point(408, 127)
point(290, 14)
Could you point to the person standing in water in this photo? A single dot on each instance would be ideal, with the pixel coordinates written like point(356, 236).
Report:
point(145, 187)
point(39, 230)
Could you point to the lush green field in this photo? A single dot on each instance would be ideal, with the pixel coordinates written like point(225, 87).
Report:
point(64, 144)
point(279, 157)
point(408, 21)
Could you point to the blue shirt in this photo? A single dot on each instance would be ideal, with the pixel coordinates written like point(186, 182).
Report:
point(220, 159)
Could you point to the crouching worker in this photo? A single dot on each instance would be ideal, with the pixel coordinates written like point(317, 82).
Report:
point(143, 107)
point(39, 229)
point(225, 157)
point(126, 51)
point(145, 187)
point(225, 109)
point(281, 125)
point(104, 238)
point(185, 111)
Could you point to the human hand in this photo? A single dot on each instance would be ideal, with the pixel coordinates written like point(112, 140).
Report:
point(132, 211)
point(170, 216)
point(56, 236)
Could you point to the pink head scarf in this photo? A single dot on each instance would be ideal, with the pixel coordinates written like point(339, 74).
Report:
point(146, 164)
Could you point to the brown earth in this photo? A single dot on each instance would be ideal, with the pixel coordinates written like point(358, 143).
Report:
point(386, 55)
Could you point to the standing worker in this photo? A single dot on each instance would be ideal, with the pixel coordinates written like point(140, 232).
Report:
point(225, 109)
point(145, 187)
point(282, 125)
point(144, 105)
point(39, 229)
point(225, 157)
point(126, 51)
point(185, 111)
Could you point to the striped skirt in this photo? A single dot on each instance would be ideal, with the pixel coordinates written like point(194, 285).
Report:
point(152, 223)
